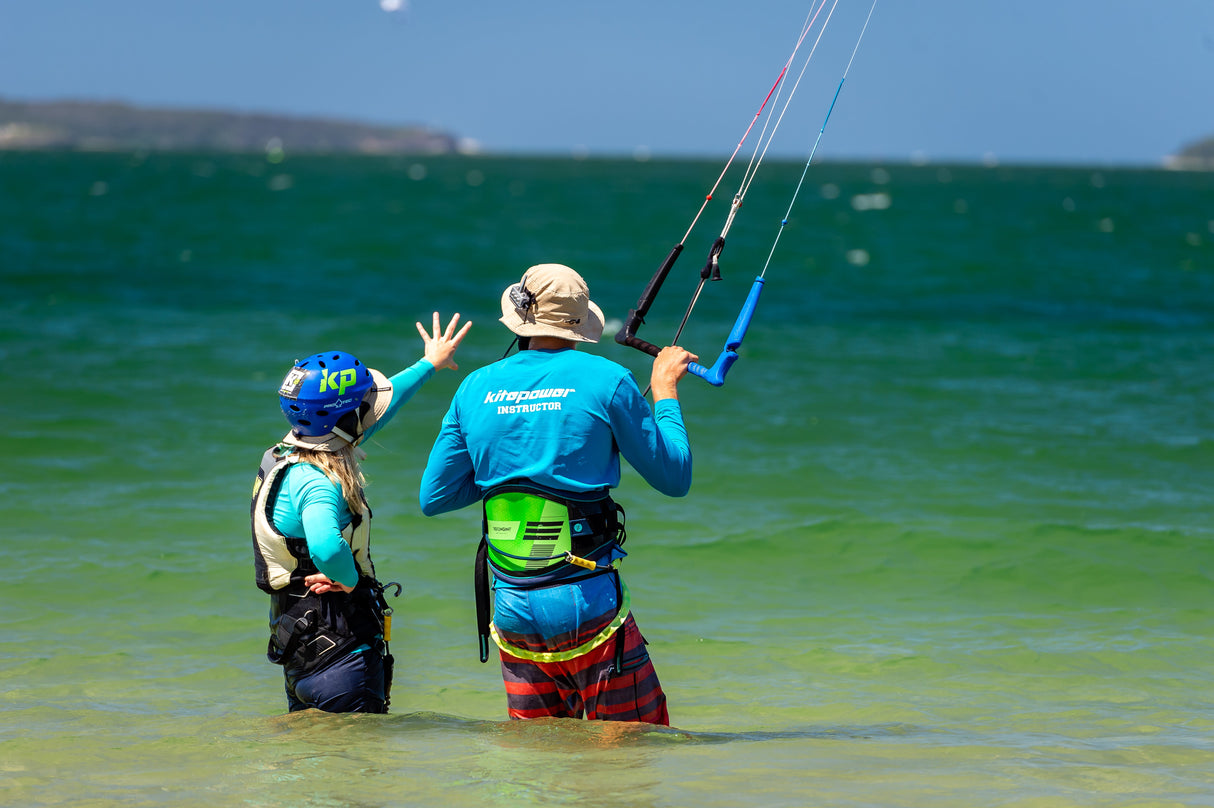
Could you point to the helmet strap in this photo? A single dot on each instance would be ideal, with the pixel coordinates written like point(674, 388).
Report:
point(349, 427)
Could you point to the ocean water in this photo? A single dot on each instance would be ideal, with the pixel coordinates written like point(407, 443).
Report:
point(948, 543)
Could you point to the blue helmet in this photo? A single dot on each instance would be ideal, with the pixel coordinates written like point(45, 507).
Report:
point(319, 390)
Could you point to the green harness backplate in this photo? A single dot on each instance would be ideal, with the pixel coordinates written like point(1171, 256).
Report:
point(526, 532)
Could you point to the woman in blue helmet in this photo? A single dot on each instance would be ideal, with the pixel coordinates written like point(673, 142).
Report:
point(310, 520)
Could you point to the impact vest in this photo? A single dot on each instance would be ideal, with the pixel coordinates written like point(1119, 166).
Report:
point(281, 560)
point(307, 630)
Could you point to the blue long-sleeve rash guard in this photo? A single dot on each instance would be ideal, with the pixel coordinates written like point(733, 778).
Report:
point(311, 505)
point(560, 419)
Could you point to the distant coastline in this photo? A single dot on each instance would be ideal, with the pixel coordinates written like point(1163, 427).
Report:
point(117, 126)
point(1197, 156)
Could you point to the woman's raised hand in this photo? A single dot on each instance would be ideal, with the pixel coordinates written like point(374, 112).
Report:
point(441, 345)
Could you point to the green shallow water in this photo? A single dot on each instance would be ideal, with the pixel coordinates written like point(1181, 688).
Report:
point(947, 545)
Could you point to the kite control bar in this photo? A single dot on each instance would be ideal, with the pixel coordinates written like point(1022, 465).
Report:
point(711, 271)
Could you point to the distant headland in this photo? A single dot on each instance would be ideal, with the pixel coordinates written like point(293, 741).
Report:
point(117, 126)
point(1197, 156)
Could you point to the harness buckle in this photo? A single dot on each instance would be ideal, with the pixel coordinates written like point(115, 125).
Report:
point(586, 563)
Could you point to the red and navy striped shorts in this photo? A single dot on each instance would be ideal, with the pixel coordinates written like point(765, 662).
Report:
point(588, 685)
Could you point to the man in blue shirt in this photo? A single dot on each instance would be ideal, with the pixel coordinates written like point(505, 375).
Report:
point(537, 438)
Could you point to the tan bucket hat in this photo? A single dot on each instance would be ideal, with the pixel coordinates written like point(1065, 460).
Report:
point(552, 301)
point(374, 404)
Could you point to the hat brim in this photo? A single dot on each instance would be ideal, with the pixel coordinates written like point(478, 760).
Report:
point(379, 397)
point(589, 331)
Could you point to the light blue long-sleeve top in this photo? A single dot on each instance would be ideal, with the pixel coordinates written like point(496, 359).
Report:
point(311, 505)
point(560, 419)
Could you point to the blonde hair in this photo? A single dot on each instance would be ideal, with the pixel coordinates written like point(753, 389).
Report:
point(343, 469)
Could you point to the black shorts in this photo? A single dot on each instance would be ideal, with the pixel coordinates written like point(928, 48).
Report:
point(352, 684)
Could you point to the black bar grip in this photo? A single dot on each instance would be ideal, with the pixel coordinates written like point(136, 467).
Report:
point(627, 336)
point(636, 317)
point(655, 283)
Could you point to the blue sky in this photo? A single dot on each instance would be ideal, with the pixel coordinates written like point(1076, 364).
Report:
point(1058, 81)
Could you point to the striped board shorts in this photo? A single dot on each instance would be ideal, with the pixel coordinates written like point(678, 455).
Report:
point(587, 685)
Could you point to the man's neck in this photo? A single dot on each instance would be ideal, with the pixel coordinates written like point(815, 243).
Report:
point(549, 344)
